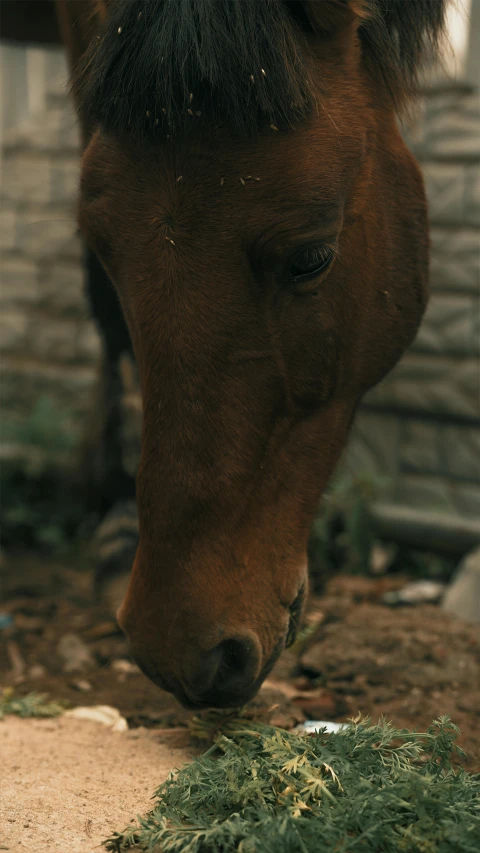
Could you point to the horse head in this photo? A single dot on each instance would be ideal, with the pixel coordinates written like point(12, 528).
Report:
point(251, 198)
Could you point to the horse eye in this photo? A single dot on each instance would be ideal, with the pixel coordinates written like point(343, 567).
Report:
point(310, 262)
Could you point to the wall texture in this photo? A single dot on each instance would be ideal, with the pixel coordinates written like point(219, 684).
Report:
point(419, 428)
point(49, 347)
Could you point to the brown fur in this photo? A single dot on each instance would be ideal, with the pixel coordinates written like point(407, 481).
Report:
point(249, 382)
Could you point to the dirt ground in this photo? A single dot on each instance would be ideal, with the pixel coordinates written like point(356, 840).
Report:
point(356, 655)
point(52, 601)
point(66, 785)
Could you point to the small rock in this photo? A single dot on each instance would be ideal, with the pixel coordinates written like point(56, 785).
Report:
point(416, 592)
point(462, 597)
point(103, 714)
point(82, 685)
point(74, 653)
point(125, 667)
point(37, 671)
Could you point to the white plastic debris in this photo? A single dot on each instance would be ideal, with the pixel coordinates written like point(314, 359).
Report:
point(312, 726)
point(416, 592)
point(103, 714)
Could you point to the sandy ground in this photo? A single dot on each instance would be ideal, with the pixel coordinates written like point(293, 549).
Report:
point(66, 784)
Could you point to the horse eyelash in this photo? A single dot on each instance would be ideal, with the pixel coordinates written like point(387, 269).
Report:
point(333, 250)
point(330, 250)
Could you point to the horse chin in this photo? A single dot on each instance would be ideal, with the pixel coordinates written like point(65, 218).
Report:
point(191, 703)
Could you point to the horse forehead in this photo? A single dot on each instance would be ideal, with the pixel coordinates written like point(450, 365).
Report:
point(224, 182)
point(204, 149)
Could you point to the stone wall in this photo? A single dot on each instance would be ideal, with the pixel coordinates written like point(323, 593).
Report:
point(419, 428)
point(49, 347)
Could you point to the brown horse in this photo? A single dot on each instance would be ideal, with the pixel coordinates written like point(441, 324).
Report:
point(246, 188)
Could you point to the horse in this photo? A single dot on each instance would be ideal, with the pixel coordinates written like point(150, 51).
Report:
point(257, 236)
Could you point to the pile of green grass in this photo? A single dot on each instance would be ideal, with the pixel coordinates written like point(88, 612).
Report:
point(364, 789)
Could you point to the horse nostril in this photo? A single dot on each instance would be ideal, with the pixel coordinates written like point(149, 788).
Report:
point(236, 660)
point(227, 673)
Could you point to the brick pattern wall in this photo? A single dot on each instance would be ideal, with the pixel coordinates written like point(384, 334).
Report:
point(49, 348)
point(419, 428)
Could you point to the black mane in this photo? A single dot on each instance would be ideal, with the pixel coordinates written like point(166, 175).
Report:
point(159, 63)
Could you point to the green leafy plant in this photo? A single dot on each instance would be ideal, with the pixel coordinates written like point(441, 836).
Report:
point(32, 705)
point(47, 429)
point(367, 788)
point(343, 535)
